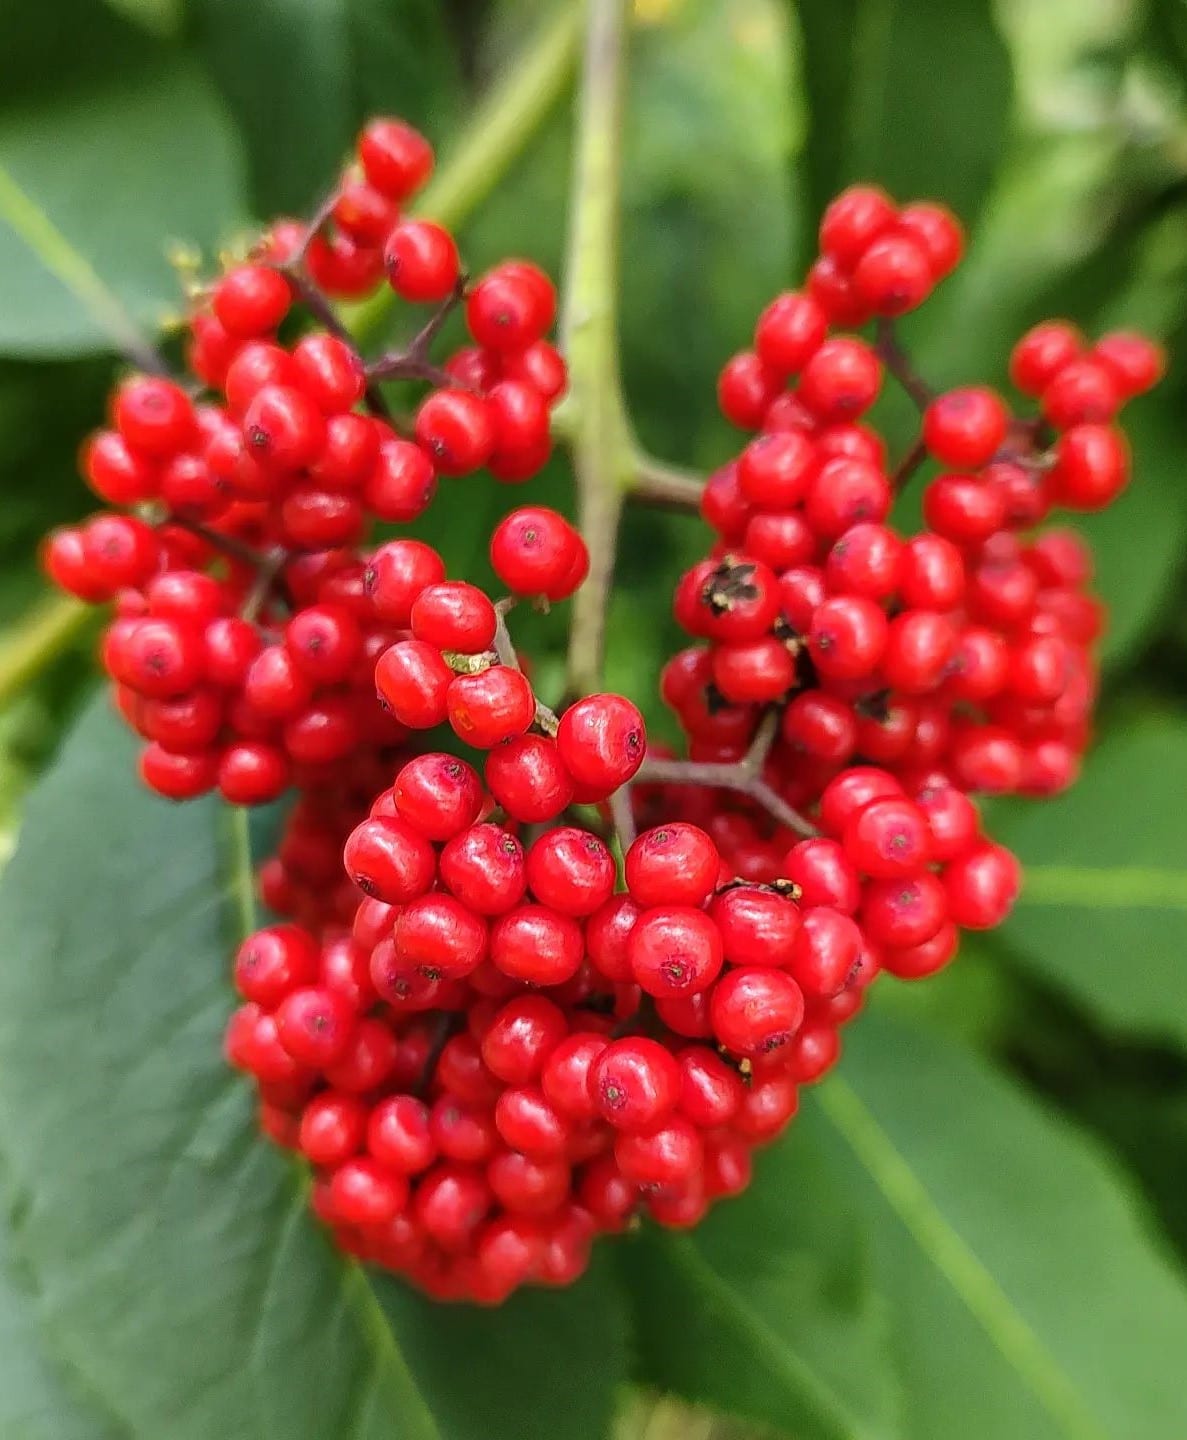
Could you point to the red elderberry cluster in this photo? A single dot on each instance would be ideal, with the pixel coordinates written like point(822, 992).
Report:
point(490, 1040)
point(249, 608)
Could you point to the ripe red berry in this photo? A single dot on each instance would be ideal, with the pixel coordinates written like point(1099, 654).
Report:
point(893, 275)
point(758, 926)
point(491, 706)
point(421, 261)
point(436, 935)
point(454, 427)
point(675, 950)
point(602, 741)
point(853, 221)
point(437, 795)
point(675, 864)
point(251, 300)
point(841, 381)
point(396, 159)
point(570, 870)
point(390, 860)
point(533, 551)
point(756, 1011)
point(536, 945)
point(965, 428)
point(511, 307)
point(635, 1083)
point(527, 777)
point(981, 885)
point(315, 1025)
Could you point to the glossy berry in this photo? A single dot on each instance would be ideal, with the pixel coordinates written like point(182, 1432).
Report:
point(421, 261)
point(635, 1083)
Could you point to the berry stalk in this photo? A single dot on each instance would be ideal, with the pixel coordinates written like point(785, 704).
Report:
point(594, 417)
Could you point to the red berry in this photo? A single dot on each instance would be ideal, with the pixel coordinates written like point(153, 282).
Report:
point(758, 926)
point(390, 860)
point(527, 777)
point(981, 886)
point(602, 742)
point(456, 430)
point(570, 870)
point(1041, 353)
point(853, 221)
point(674, 864)
point(493, 705)
point(511, 307)
point(893, 275)
point(756, 1011)
point(965, 428)
point(396, 159)
point(533, 551)
point(634, 1083)
point(841, 381)
point(421, 261)
point(315, 1025)
point(251, 300)
point(536, 945)
point(675, 950)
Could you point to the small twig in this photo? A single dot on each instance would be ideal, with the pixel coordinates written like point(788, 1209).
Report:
point(743, 777)
point(323, 312)
point(227, 544)
point(665, 486)
point(296, 265)
point(412, 362)
point(446, 1026)
point(269, 572)
point(622, 813)
point(504, 646)
point(908, 465)
point(896, 360)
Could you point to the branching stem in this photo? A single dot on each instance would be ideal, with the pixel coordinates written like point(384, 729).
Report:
point(743, 777)
point(898, 362)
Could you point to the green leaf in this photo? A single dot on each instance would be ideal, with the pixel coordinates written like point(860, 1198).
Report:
point(1028, 1298)
point(36, 1402)
point(301, 76)
point(178, 1267)
point(285, 69)
point(766, 1310)
point(96, 181)
point(1103, 910)
point(910, 94)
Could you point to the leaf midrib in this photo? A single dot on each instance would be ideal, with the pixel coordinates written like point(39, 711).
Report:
point(799, 1373)
point(235, 846)
point(956, 1260)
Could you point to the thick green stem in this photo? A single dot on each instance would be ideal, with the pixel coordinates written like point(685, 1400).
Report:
point(594, 417)
point(497, 133)
point(38, 639)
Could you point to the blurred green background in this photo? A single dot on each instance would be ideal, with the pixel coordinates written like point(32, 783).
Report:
point(979, 1227)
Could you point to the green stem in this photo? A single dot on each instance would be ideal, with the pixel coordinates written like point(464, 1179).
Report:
point(595, 418)
point(500, 128)
point(497, 133)
point(655, 482)
point(49, 629)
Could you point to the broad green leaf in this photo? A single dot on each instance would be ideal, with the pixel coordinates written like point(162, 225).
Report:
point(1103, 910)
point(906, 93)
point(97, 180)
point(302, 75)
point(766, 1310)
point(178, 1269)
point(1028, 1297)
point(37, 1402)
point(285, 68)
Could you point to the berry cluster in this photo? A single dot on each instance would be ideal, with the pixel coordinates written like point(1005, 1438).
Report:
point(490, 1039)
point(249, 610)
